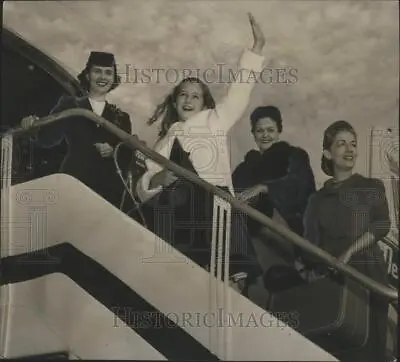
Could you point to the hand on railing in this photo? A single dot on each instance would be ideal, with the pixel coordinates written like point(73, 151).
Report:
point(163, 178)
point(27, 122)
point(104, 149)
point(252, 194)
point(345, 257)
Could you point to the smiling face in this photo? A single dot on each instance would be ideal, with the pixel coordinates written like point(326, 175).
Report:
point(343, 151)
point(100, 79)
point(189, 100)
point(265, 133)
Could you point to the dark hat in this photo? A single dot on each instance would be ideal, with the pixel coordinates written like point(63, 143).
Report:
point(101, 58)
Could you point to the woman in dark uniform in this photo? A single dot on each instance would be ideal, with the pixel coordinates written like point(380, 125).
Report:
point(347, 218)
point(90, 147)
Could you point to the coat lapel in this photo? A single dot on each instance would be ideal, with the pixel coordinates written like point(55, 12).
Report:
point(111, 114)
point(331, 188)
point(107, 112)
point(83, 102)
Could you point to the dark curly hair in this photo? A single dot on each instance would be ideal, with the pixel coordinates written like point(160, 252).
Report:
point(168, 109)
point(329, 137)
point(266, 112)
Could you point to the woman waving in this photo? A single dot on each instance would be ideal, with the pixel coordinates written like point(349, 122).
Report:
point(194, 135)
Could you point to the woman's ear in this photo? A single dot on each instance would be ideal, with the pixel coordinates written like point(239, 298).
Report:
point(327, 154)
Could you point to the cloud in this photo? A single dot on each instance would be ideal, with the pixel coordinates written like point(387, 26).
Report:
point(346, 54)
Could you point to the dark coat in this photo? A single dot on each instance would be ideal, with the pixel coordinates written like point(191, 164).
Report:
point(336, 216)
point(83, 161)
point(287, 172)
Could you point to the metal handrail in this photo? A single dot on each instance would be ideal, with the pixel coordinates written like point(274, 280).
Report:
point(134, 142)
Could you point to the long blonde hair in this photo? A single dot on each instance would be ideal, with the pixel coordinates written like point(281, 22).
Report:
point(167, 109)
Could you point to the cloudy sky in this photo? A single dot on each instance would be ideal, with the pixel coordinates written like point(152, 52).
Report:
point(345, 55)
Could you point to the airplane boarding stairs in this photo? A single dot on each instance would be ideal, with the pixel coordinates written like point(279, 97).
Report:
point(81, 276)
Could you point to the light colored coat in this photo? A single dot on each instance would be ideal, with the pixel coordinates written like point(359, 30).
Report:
point(204, 135)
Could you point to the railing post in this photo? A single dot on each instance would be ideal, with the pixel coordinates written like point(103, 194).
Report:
point(5, 240)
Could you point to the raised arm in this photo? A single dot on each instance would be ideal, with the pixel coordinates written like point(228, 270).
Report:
point(231, 109)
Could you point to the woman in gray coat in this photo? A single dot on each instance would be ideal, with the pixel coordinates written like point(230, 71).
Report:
point(346, 218)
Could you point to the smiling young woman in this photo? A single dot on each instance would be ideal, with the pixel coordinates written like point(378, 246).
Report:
point(90, 148)
point(194, 135)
